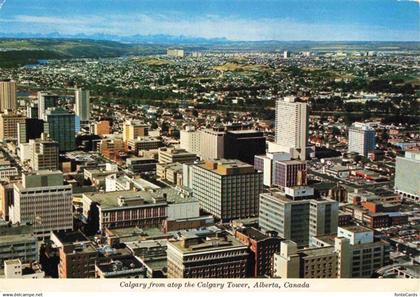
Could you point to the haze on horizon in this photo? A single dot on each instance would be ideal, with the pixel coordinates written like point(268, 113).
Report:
point(251, 20)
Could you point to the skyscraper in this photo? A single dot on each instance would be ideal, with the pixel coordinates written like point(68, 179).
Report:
point(7, 95)
point(228, 189)
point(45, 101)
point(43, 200)
point(8, 125)
point(292, 126)
point(82, 104)
point(407, 174)
point(287, 217)
point(361, 139)
point(60, 125)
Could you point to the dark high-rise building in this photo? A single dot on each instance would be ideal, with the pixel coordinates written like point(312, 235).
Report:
point(244, 145)
point(34, 128)
point(60, 125)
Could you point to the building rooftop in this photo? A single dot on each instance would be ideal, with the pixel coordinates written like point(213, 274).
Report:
point(70, 237)
point(131, 234)
point(227, 166)
point(253, 233)
point(194, 243)
point(136, 198)
point(317, 252)
point(356, 229)
point(124, 263)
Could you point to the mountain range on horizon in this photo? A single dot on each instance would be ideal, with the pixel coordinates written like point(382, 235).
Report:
point(166, 38)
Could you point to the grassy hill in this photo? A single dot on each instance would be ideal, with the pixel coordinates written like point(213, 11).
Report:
point(18, 52)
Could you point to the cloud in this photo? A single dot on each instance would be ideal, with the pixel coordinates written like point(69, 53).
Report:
point(418, 1)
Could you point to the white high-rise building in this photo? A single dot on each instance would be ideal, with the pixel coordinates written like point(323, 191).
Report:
point(43, 200)
point(190, 140)
point(292, 126)
point(82, 104)
point(361, 138)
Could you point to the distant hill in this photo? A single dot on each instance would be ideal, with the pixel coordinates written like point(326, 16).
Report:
point(18, 52)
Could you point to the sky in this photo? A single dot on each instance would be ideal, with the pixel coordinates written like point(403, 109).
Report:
point(318, 20)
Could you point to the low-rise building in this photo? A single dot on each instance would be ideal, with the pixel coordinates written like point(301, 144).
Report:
point(217, 255)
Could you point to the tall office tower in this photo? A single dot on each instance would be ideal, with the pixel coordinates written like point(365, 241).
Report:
point(212, 144)
point(317, 262)
point(359, 253)
point(361, 139)
point(82, 104)
point(45, 101)
point(43, 200)
point(286, 54)
point(32, 111)
point(292, 126)
point(323, 217)
point(228, 189)
point(133, 129)
point(45, 153)
point(8, 95)
point(289, 173)
point(102, 128)
point(60, 126)
point(288, 217)
point(208, 256)
point(8, 125)
point(30, 129)
point(190, 140)
point(407, 174)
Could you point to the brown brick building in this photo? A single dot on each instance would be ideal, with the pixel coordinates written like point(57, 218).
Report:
point(262, 248)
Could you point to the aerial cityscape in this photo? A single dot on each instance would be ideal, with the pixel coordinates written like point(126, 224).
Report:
point(174, 150)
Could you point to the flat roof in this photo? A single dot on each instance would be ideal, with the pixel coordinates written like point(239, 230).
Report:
point(110, 199)
point(356, 228)
point(318, 251)
point(253, 233)
point(200, 244)
point(70, 237)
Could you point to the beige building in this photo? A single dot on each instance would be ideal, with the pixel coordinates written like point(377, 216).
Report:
point(291, 262)
point(212, 143)
point(228, 189)
point(15, 269)
point(213, 256)
point(172, 155)
point(45, 153)
point(133, 129)
point(82, 104)
point(43, 200)
point(8, 95)
point(8, 125)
